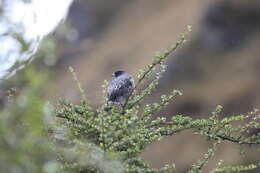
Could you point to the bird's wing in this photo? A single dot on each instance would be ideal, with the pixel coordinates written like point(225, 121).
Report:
point(119, 87)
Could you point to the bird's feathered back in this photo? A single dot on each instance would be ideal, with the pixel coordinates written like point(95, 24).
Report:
point(120, 88)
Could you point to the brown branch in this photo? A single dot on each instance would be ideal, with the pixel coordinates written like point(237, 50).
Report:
point(237, 141)
point(225, 138)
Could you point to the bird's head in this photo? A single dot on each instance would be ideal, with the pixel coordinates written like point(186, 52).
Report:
point(118, 73)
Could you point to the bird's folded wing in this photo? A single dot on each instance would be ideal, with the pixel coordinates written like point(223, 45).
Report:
point(119, 88)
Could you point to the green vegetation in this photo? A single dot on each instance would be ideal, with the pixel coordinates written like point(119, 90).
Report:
point(79, 138)
point(24, 146)
point(124, 132)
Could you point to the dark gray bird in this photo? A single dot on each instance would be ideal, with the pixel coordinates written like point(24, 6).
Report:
point(120, 88)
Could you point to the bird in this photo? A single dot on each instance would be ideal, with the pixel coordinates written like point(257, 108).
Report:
point(120, 88)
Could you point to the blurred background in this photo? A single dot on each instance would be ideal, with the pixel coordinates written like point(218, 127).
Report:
point(220, 63)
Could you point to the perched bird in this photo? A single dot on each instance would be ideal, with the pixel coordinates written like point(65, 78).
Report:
point(120, 88)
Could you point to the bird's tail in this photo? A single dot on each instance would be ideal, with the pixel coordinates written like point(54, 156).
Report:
point(107, 107)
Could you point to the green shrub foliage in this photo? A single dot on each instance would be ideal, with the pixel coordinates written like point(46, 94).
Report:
point(93, 140)
point(24, 146)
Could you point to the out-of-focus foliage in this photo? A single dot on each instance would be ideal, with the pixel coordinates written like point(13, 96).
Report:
point(25, 113)
point(24, 145)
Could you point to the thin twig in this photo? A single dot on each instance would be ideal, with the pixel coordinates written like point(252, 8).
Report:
point(236, 140)
point(154, 64)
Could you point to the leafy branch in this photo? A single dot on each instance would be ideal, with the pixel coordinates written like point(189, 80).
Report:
point(158, 60)
point(128, 132)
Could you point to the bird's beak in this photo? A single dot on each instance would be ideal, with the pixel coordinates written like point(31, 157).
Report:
point(113, 75)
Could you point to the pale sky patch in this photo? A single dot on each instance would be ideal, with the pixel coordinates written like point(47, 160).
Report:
point(32, 21)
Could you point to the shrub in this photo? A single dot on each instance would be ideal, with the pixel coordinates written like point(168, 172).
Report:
point(93, 140)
